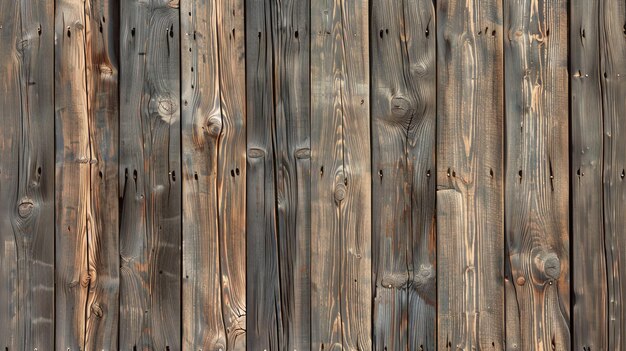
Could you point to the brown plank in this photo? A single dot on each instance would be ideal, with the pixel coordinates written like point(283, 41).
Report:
point(404, 101)
point(26, 175)
point(231, 165)
point(537, 186)
point(341, 287)
point(73, 173)
point(150, 183)
point(277, 48)
point(612, 22)
point(589, 267)
point(102, 23)
point(469, 162)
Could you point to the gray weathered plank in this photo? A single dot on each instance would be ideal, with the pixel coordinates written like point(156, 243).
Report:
point(26, 175)
point(589, 266)
point(469, 161)
point(537, 182)
point(149, 178)
point(102, 23)
point(402, 41)
point(277, 48)
point(403, 94)
point(73, 173)
point(612, 28)
point(341, 286)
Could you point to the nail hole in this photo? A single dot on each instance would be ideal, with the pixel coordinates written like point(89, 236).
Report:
point(132, 32)
point(195, 176)
point(69, 32)
point(296, 34)
point(232, 173)
point(237, 171)
point(322, 171)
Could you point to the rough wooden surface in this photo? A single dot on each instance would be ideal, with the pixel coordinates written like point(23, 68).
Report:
point(403, 152)
point(537, 182)
point(277, 58)
point(341, 286)
point(589, 266)
point(26, 175)
point(150, 177)
point(469, 162)
point(612, 22)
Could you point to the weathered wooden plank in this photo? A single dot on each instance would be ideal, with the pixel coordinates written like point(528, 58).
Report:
point(102, 23)
point(589, 267)
point(26, 175)
point(537, 186)
point(73, 173)
point(341, 176)
point(403, 155)
point(231, 165)
point(469, 161)
point(612, 28)
point(150, 184)
point(277, 48)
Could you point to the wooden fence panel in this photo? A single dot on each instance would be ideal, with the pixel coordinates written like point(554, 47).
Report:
point(537, 185)
point(341, 286)
point(470, 243)
point(26, 175)
point(403, 91)
point(150, 177)
point(277, 47)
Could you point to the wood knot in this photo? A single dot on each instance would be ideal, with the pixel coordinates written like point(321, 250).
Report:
point(164, 106)
point(256, 153)
point(214, 126)
point(521, 281)
point(340, 192)
point(303, 153)
point(25, 208)
point(106, 70)
point(85, 279)
point(96, 309)
point(547, 265)
point(395, 281)
point(401, 106)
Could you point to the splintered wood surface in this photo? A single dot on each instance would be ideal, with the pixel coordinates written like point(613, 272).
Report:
point(392, 175)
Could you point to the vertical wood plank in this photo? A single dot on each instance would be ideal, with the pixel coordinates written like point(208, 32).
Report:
point(150, 183)
point(537, 182)
point(612, 28)
point(73, 173)
point(278, 180)
point(469, 161)
point(102, 23)
point(203, 321)
point(404, 101)
point(589, 266)
point(341, 176)
point(26, 175)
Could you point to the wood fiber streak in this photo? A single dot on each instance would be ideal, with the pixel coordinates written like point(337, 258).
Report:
point(26, 175)
point(537, 182)
point(469, 161)
point(277, 47)
point(149, 176)
point(589, 265)
point(341, 285)
point(612, 32)
point(74, 160)
point(403, 79)
point(102, 309)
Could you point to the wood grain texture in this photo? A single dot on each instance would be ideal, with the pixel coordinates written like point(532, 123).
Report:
point(150, 183)
point(277, 52)
point(73, 175)
point(26, 175)
point(403, 91)
point(341, 285)
point(469, 161)
point(612, 22)
point(589, 266)
point(102, 309)
point(537, 182)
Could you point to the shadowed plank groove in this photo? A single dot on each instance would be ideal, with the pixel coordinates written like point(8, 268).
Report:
point(150, 178)
point(277, 47)
point(26, 175)
point(341, 286)
point(537, 185)
point(403, 88)
point(469, 162)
